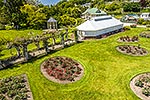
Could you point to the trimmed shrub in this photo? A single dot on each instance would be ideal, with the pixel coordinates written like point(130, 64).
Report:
point(146, 91)
point(140, 20)
point(126, 28)
point(148, 26)
point(147, 29)
point(8, 27)
point(139, 83)
point(144, 23)
point(133, 26)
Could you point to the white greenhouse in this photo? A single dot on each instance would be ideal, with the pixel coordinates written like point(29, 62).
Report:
point(98, 26)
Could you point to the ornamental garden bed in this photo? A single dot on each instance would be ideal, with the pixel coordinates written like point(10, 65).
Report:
point(128, 39)
point(145, 34)
point(132, 50)
point(15, 88)
point(140, 85)
point(62, 70)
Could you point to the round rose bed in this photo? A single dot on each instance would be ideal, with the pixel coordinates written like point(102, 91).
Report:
point(140, 85)
point(145, 34)
point(132, 50)
point(62, 70)
point(128, 39)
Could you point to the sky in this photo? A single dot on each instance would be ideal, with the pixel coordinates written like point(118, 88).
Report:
point(48, 2)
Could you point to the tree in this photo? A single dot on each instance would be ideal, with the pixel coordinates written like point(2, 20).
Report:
point(35, 17)
point(11, 11)
point(66, 20)
point(131, 7)
point(112, 7)
point(145, 3)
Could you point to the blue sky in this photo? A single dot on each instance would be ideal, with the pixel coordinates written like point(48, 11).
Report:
point(48, 2)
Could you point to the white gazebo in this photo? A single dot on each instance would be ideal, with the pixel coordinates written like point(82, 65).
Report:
point(52, 23)
point(99, 26)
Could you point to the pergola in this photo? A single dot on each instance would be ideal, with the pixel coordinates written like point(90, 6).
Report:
point(52, 23)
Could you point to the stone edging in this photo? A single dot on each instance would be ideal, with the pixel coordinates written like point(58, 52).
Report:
point(138, 90)
point(57, 80)
point(117, 48)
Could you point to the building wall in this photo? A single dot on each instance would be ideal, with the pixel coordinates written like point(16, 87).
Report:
point(100, 32)
point(145, 16)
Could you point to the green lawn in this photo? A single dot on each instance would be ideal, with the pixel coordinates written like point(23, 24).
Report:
point(107, 72)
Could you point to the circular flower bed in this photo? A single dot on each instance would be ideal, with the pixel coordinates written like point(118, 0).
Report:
point(140, 85)
point(145, 34)
point(132, 50)
point(62, 70)
point(128, 39)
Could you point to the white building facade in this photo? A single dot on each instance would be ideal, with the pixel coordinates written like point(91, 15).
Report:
point(145, 16)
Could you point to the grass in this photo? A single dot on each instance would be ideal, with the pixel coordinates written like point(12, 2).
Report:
point(107, 72)
point(118, 16)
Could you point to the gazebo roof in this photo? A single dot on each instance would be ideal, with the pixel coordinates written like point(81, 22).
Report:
point(51, 20)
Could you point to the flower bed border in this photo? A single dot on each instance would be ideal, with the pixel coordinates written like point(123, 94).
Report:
point(57, 80)
point(138, 90)
point(124, 52)
point(131, 39)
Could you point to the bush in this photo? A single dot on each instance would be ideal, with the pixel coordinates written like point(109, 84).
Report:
point(148, 25)
point(2, 27)
point(126, 28)
point(146, 91)
point(139, 83)
point(144, 23)
point(133, 26)
point(140, 20)
point(147, 29)
point(8, 27)
point(2, 97)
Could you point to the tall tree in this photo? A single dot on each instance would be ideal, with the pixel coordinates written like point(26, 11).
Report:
point(35, 17)
point(12, 13)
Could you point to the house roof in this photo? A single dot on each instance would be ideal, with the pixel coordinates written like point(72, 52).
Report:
point(99, 23)
point(94, 11)
point(51, 20)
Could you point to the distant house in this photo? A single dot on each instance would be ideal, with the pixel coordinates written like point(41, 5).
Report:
point(130, 18)
point(92, 12)
point(145, 16)
point(99, 26)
